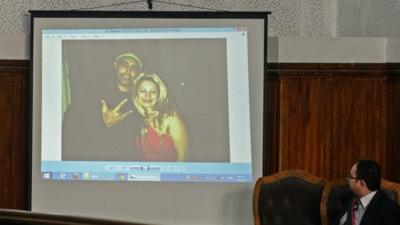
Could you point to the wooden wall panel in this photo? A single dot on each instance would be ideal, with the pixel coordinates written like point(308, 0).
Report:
point(271, 137)
point(300, 133)
point(393, 150)
point(13, 127)
point(356, 128)
point(331, 115)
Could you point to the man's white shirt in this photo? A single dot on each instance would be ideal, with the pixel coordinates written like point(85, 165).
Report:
point(359, 212)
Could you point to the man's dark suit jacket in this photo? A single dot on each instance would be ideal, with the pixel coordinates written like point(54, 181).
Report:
point(381, 211)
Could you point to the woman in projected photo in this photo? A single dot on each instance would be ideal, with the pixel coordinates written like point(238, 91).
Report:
point(163, 136)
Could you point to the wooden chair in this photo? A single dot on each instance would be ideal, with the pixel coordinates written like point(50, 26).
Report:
point(335, 198)
point(288, 198)
point(337, 195)
point(392, 189)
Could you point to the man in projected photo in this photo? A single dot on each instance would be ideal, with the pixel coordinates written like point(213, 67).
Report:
point(163, 136)
point(127, 66)
point(101, 122)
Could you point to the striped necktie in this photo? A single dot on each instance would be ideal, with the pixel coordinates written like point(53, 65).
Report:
point(354, 207)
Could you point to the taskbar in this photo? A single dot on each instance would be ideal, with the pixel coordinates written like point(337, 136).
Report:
point(167, 177)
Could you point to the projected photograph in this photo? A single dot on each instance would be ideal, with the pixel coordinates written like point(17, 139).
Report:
point(161, 100)
point(151, 104)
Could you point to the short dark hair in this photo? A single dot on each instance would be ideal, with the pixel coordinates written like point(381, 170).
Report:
point(370, 172)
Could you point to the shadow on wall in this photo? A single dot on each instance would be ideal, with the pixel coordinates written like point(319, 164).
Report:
point(238, 207)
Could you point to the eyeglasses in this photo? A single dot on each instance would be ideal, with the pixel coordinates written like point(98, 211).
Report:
point(352, 178)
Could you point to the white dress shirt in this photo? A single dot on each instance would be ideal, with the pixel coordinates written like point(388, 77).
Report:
point(359, 212)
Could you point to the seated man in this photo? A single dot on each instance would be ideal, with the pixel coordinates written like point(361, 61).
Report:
point(370, 206)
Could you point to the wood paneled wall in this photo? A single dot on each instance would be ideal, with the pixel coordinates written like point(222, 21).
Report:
point(393, 138)
point(330, 115)
point(320, 118)
point(13, 132)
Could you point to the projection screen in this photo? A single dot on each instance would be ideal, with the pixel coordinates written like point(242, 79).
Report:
point(150, 117)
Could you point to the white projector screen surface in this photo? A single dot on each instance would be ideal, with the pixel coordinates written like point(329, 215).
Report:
point(185, 101)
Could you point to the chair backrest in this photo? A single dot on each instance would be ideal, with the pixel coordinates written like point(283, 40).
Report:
point(391, 189)
point(337, 195)
point(287, 198)
point(335, 199)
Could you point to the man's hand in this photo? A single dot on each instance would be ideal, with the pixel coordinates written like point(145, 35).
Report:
point(113, 116)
